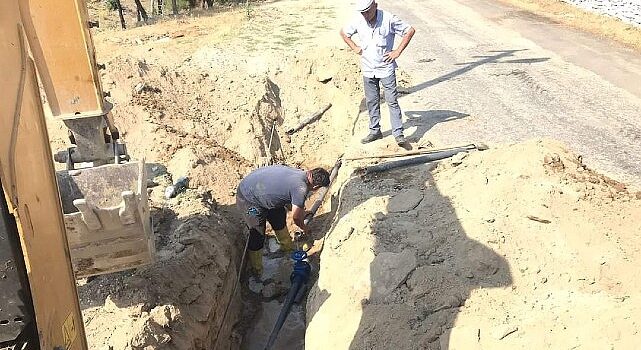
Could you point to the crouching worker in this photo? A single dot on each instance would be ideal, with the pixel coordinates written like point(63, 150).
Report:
point(263, 195)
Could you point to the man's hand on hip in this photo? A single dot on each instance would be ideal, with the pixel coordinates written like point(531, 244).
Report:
point(358, 50)
point(391, 56)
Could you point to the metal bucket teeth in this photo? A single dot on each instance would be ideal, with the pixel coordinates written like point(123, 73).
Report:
point(106, 214)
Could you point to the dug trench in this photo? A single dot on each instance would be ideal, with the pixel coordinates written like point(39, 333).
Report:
point(489, 249)
point(198, 111)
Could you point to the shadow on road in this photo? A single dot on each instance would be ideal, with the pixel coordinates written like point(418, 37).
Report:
point(493, 57)
point(423, 121)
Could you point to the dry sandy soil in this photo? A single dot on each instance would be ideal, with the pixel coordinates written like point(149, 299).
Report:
point(518, 246)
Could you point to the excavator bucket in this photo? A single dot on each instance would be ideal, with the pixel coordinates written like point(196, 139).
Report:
point(106, 215)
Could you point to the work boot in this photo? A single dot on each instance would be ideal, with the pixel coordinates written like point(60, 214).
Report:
point(256, 261)
point(400, 140)
point(284, 239)
point(372, 137)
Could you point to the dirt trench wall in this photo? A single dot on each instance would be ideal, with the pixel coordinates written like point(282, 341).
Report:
point(210, 122)
point(179, 301)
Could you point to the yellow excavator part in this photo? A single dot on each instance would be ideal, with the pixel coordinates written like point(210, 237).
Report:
point(31, 199)
point(104, 195)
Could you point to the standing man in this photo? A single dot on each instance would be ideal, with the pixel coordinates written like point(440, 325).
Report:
point(263, 195)
point(376, 31)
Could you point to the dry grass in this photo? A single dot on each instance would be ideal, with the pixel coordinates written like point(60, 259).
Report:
point(567, 14)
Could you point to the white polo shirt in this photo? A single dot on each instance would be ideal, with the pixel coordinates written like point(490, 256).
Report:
point(376, 40)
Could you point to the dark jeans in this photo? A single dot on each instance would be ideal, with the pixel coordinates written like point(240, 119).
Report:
point(373, 100)
point(256, 218)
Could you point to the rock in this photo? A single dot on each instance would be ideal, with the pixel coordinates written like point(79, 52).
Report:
point(638, 195)
point(149, 335)
point(458, 158)
point(164, 315)
point(389, 270)
point(173, 190)
point(110, 306)
point(405, 201)
point(272, 245)
point(277, 269)
point(255, 285)
point(324, 76)
point(139, 87)
point(270, 291)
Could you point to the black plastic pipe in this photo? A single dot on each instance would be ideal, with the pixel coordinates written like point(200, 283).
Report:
point(287, 305)
point(415, 160)
point(309, 120)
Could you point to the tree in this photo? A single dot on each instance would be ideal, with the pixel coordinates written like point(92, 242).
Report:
point(141, 11)
point(174, 6)
point(122, 18)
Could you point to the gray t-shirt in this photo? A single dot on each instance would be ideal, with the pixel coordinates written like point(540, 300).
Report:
point(275, 186)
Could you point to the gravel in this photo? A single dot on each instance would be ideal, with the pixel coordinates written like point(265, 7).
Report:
point(626, 10)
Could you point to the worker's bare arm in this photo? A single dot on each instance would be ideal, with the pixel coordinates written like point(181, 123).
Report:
point(298, 215)
point(352, 45)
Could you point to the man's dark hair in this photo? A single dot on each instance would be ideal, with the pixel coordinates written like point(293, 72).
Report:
point(320, 177)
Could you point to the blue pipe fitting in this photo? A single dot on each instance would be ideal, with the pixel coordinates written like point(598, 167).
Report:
point(302, 269)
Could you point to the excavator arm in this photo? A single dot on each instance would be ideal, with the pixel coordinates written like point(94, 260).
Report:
point(92, 217)
point(103, 193)
point(39, 306)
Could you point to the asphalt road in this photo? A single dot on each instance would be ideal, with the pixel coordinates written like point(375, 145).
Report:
point(481, 71)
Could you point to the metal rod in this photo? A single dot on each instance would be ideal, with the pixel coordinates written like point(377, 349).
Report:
point(412, 161)
point(309, 120)
point(269, 147)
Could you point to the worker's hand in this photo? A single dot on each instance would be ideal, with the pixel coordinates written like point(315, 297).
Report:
point(391, 56)
point(358, 50)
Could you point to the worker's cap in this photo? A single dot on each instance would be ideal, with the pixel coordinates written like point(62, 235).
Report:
point(363, 5)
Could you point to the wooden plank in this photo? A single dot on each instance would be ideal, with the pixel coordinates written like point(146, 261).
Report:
point(26, 168)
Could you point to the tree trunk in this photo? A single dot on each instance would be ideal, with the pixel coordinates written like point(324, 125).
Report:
point(141, 11)
point(174, 7)
point(122, 18)
point(192, 4)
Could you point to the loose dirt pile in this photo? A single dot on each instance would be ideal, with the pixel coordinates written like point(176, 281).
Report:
point(520, 246)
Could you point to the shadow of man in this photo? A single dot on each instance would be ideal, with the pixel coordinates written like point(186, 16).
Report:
point(398, 267)
point(423, 121)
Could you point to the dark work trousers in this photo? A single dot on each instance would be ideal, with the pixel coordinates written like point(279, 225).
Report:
point(373, 101)
point(256, 218)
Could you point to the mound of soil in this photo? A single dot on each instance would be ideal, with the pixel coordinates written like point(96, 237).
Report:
point(518, 246)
